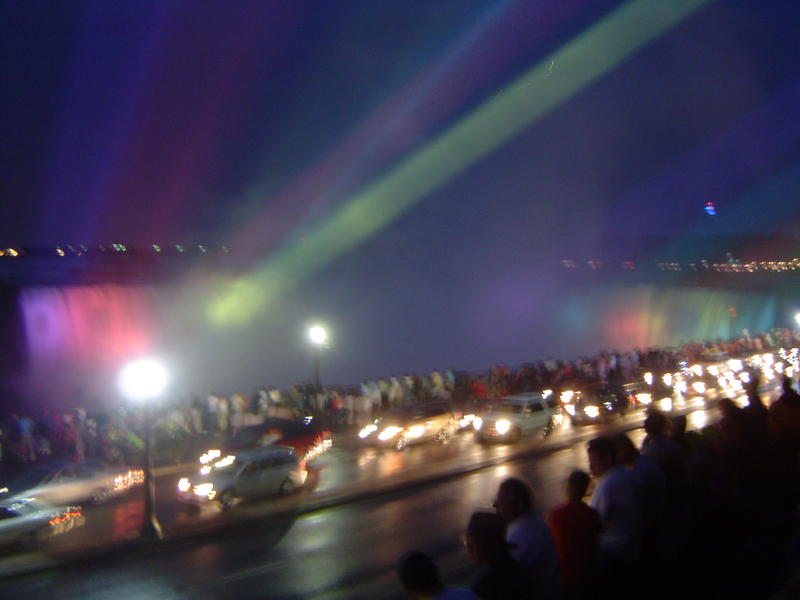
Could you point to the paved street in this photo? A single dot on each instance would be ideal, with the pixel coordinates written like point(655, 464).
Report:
point(346, 551)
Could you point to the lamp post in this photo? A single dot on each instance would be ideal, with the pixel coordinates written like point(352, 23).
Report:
point(144, 380)
point(319, 339)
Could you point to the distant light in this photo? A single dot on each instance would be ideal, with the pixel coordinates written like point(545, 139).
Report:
point(202, 248)
point(143, 379)
point(710, 208)
point(797, 318)
point(60, 252)
point(179, 248)
point(318, 335)
point(12, 252)
point(156, 247)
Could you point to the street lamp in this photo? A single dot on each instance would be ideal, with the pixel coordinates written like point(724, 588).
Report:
point(319, 339)
point(144, 380)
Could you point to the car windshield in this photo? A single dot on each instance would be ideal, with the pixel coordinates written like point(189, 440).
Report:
point(395, 417)
point(506, 408)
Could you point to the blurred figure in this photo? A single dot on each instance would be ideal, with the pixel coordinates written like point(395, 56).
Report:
point(420, 578)
point(663, 449)
point(238, 404)
point(499, 577)
point(784, 418)
point(576, 530)
point(615, 498)
point(651, 489)
point(529, 538)
point(27, 444)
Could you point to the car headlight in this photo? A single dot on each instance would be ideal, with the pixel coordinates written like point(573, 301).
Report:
point(204, 489)
point(591, 411)
point(644, 398)
point(389, 433)
point(210, 455)
point(477, 423)
point(183, 484)
point(416, 431)
point(570, 408)
point(502, 426)
point(367, 430)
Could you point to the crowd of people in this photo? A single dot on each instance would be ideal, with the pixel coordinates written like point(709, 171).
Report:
point(115, 435)
point(711, 514)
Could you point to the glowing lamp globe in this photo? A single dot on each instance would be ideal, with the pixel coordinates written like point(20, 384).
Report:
point(797, 318)
point(318, 335)
point(143, 379)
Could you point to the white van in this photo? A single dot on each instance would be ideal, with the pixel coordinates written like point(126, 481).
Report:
point(510, 418)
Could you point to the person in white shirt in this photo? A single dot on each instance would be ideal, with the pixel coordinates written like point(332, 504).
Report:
point(420, 578)
point(530, 540)
point(616, 499)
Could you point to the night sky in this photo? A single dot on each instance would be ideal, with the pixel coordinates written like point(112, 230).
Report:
point(321, 141)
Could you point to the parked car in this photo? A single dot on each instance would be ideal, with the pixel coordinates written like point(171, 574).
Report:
point(411, 424)
point(510, 418)
point(303, 435)
point(31, 523)
point(65, 483)
point(248, 473)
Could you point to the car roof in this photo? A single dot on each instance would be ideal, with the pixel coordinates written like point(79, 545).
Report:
point(263, 452)
point(522, 398)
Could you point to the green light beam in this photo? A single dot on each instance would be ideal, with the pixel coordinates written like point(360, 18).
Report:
point(580, 62)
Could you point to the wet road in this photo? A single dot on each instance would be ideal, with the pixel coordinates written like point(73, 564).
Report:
point(347, 551)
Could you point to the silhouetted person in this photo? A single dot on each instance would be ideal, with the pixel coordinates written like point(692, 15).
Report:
point(499, 577)
point(576, 530)
point(755, 414)
point(529, 538)
point(651, 488)
point(784, 418)
point(420, 578)
point(616, 499)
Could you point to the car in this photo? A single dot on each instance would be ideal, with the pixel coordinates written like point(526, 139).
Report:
point(597, 402)
point(249, 473)
point(31, 523)
point(303, 435)
point(66, 483)
point(510, 418)
point(411, 424)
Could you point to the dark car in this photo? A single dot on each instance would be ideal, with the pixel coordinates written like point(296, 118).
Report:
point(412, 424)
point(66, 482)
point(597, 402)
point(308, 439)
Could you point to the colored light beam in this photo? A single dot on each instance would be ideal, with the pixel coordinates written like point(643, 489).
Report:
point(558, 77)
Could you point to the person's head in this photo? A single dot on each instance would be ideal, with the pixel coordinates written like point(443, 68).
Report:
point(419, 575)
point(625, 450)
point(678, 425)
point(514, 499)
point(602, 456)
point(577, 484)
point(656, 424)
point(485, 538)
point(787, 384)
